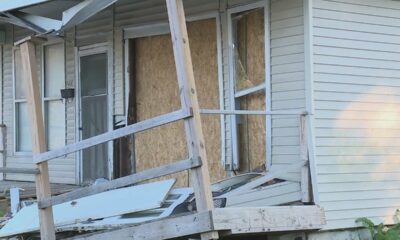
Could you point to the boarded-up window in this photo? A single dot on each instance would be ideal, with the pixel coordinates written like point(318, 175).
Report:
point(248, 35)
point(156, 90)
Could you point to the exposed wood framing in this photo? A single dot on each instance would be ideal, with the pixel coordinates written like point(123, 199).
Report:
point(189, 100)
point(122, 182)
point(43, 190)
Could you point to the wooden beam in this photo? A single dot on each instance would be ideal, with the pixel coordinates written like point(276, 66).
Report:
point(122, 182)
point(194, 133)
point(268, 219)
point(43, 190)
point(20, 170)
point(157, 230)
point(109, 136)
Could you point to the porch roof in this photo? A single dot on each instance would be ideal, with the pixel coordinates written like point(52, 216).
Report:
point(50, 16)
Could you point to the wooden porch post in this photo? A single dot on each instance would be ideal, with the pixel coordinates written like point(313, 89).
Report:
point(35, 112)
point(194, 134)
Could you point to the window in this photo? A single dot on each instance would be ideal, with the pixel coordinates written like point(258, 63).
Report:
point(248, 90)
point(53, 106)
point(23, 139)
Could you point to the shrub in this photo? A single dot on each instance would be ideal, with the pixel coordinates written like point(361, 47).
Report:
point(381, 232)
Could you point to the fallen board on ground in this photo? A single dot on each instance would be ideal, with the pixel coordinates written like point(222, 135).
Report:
point(175, 197)
point(107, 204)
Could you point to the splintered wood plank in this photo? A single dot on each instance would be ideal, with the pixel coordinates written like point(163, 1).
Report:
point(268, 219)
point(35, 113)
point(106, 204)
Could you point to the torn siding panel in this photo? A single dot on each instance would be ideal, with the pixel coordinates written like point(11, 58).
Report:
point(287, 74)
point(356, 85)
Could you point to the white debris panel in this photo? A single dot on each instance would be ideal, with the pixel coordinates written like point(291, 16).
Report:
point(103, 205)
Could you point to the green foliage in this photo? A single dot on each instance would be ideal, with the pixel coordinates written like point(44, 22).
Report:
point(381, 232)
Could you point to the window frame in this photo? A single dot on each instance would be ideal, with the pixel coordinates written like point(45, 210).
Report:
point(266, 86)
point(42, 87)
point(15, 102)
point(43, 99)
point(159, 28)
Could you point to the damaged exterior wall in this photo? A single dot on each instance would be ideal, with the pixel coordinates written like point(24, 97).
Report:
point(157, 93)
point(108, 27)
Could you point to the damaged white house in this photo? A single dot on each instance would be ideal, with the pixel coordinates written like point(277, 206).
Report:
point(271, 118)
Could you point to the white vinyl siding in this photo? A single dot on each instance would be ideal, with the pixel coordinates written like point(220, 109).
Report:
point(287, 80)
point(356, 91)
point(61, 170)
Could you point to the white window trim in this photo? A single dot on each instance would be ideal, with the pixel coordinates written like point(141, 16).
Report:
point(43, 99)
point(42, 81)
point(15, 101)
point(160, 28)
point(87, 51)
point(265, 4)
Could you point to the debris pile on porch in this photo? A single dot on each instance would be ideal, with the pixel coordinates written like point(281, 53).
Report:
point(133, 205)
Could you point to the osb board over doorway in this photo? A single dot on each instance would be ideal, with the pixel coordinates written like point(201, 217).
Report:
point(157, 93)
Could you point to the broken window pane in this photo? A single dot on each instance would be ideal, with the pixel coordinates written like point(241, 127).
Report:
point(249, 53)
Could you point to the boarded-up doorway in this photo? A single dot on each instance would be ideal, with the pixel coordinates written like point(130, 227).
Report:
point(155, 87)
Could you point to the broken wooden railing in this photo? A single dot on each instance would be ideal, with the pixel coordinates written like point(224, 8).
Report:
point(303, 165)
point(190, 114)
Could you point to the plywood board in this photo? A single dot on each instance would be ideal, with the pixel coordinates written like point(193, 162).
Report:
point(157, 93)
point(106, 204)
